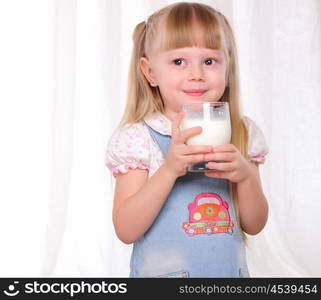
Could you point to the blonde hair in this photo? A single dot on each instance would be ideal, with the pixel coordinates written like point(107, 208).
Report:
point(177, 23)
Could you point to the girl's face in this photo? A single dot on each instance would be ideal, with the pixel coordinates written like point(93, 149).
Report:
point(186, 75)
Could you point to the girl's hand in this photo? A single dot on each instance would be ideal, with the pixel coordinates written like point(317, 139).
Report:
point(229, 164)
point(180, 155)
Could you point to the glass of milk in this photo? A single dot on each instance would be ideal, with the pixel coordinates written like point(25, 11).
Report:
point(214, 118)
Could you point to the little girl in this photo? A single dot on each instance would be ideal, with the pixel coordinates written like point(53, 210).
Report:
point(184, 224)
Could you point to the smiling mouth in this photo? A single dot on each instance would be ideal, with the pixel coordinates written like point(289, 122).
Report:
point(195, 93)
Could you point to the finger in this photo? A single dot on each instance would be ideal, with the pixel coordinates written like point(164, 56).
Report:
point(188, 133)
point(193, 149)
point(176, 124)
point(215, 174)
point(225, 167)
point(195, 158)
point(221, 156)
point(225, 148)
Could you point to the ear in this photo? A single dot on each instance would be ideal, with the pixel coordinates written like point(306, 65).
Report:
point(147, 71)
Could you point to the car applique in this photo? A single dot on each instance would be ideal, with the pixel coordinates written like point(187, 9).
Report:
point(208, 214)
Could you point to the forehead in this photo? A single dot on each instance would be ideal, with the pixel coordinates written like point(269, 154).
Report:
point(190, 51)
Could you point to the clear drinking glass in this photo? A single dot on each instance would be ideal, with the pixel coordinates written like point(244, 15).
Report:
point(214, 118)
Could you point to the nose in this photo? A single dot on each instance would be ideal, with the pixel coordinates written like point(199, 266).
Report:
point(196, 73)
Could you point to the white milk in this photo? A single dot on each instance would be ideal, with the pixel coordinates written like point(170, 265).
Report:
point(214, 132)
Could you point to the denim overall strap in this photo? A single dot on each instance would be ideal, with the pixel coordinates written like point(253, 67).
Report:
point(163, 141)
point(195, 233)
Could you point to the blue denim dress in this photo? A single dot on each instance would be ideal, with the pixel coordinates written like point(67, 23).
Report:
point(195, 234)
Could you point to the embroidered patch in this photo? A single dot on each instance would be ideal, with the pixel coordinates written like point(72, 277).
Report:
point(208, 214)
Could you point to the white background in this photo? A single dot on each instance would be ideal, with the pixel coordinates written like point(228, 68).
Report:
point(63, 73)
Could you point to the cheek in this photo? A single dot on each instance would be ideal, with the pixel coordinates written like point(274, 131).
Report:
point(167, 78)
point(168, 91)
point(168, 83)
point(218, 87)
point(218, 82)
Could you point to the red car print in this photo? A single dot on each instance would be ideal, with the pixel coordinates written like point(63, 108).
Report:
point(208, 214)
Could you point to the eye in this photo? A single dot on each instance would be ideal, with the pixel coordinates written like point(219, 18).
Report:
point(210, 61)
point(179, 61)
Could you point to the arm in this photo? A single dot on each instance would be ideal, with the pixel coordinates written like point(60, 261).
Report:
point(138, 201)
point(252, 203)
point(230, 164)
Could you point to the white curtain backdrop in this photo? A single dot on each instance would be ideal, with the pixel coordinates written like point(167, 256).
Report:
point(63, 76)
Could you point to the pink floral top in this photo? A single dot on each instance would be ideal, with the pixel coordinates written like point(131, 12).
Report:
point(132, 147)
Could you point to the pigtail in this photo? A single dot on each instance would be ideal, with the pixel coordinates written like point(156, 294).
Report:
point(140, 94)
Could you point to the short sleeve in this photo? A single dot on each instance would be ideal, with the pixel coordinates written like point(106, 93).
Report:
point(128, 148)
point(257, 146)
